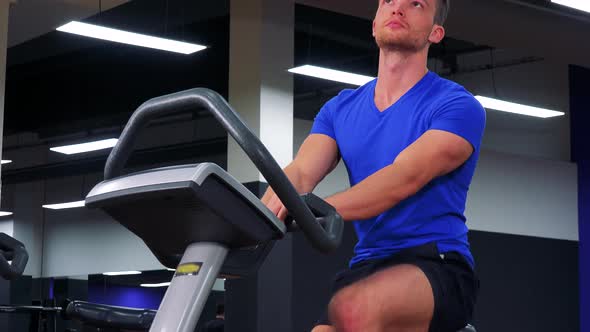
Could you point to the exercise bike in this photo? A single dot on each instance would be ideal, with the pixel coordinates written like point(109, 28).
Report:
point(212, 220)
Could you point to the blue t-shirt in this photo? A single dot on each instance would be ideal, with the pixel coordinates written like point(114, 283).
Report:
point(370, 140)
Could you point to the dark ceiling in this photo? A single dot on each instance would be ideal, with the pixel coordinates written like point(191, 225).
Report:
point(59, 83)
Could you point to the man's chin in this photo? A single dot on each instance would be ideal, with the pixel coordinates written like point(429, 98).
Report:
point(398, 44)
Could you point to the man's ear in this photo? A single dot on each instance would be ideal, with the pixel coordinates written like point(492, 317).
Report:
point(437, 34)
point(373, 28)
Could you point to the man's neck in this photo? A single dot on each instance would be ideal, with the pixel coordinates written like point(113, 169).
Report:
point(398, 73)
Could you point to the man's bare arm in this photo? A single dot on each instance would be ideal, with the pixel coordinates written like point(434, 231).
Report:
point(434, 154)
point(317, 157)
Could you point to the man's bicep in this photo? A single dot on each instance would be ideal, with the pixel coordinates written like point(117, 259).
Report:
point(317, 156)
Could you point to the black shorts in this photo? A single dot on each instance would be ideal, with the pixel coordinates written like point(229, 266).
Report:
point(453, 281)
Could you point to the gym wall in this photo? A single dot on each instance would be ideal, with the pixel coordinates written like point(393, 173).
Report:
point(6, 226)
point(540, 83)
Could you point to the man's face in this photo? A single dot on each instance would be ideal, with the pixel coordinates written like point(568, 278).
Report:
point(406, 25)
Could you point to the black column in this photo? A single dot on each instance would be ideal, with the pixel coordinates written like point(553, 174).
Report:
point(262, 302)
point(580, 137)
point(4, 300)
point(313, 273)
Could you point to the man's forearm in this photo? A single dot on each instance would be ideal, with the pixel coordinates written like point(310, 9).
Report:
point(300, 181)
point(377, 193)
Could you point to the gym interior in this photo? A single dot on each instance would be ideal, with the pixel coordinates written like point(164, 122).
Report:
point(528, 207)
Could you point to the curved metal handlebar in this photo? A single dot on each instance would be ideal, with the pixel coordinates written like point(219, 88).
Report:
point(12, 250)
point(325, 240)
point(109, 317)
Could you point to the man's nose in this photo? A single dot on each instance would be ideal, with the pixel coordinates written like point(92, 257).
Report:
point(398, 7)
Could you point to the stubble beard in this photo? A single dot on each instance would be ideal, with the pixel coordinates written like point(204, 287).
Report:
point(406, 43)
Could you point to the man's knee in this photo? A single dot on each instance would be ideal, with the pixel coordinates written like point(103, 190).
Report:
point(323, 328)
point(377, 306)
point(348, 312)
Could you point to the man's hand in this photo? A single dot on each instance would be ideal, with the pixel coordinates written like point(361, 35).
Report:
point(317, 157)
point(274, 204)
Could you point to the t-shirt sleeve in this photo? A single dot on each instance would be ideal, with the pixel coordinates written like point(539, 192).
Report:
point(324, 121)
point(461, 115)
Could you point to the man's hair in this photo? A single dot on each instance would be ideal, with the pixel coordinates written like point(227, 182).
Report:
point(442, 11)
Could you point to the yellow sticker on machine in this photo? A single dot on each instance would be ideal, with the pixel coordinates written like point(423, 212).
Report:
point(188, 269)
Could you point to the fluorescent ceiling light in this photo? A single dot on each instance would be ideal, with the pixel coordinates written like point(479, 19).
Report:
point(62, 206)
point(505, 106)
point(86, 147)
point(173, 270)
point(331, 74)
point(6, 161)
point(5, 214)
point(577, 4)
point(162, 284)
point(121, 273)
point(120, 36)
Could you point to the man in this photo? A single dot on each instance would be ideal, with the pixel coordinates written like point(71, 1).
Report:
point(410, 141)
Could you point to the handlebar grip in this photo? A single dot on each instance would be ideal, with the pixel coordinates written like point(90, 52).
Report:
point(105, 316)
point(12, 250)
point(326, 216)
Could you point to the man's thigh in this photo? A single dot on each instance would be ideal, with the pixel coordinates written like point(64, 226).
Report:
point(452, 282)
point(397, 298)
